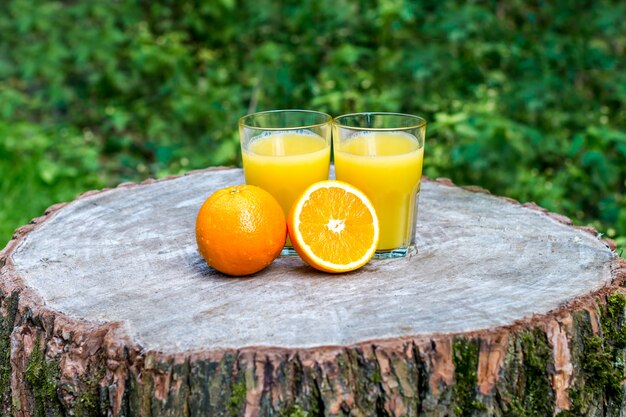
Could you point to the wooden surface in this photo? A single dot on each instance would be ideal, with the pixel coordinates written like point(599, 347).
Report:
point(116, 275)
point(130, 255)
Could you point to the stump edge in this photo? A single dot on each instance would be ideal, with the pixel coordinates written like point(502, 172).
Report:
point(60, 363)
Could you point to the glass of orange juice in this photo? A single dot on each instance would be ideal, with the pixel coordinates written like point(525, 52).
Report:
point(285, 151)
point(382, 154)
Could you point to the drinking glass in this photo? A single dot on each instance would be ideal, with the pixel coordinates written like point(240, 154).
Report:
point(382, 154)
point(285, 151)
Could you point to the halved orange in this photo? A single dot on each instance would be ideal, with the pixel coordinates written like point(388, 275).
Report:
point(333, 227)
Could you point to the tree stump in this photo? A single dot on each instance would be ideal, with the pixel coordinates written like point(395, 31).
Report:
point(506, 310)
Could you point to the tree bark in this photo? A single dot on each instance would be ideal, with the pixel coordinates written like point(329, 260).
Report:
point(507, 310)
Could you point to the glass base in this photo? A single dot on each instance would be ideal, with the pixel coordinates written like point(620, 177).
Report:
point(395, 253)
point(288, 251)
point(382, 254)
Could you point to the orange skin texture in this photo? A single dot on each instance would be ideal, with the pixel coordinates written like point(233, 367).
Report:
point(240, 230)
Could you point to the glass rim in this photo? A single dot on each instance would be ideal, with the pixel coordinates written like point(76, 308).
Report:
point(421, 121)
point(242, 119)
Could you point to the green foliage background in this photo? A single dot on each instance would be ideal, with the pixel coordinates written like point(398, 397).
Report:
point(525, 98)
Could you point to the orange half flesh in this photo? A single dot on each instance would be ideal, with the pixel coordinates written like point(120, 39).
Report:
point(333, 227)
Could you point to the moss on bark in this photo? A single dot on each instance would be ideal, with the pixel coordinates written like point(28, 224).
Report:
point(599, 384)
point(294, 411)
point(534, 395)
point(42, 377)
point(91, 400)
point(7, 322)
point(237, 399)
point(465, 359)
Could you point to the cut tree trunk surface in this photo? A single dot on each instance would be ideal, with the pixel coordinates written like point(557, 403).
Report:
point(506, 309)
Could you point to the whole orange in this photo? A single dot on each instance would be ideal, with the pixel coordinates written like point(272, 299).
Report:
point(240, 230)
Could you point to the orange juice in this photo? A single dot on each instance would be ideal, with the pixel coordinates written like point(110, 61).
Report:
point(387, 167)
point(285, 164)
